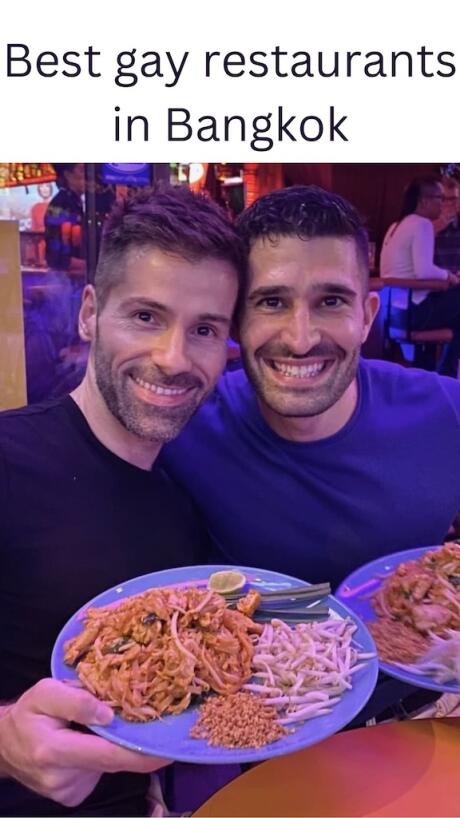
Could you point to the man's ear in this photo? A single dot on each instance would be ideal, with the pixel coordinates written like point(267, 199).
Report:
point(87, 318)
point(371, 308)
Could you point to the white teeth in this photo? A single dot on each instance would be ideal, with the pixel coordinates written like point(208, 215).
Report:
point(159, 390)
point(299, 371)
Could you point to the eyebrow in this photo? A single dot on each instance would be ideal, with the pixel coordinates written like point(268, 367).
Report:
point(329, 288)
point(215, 318)
point(334, 288)
point(266, 292)
point(146, 303)
point(138, 301)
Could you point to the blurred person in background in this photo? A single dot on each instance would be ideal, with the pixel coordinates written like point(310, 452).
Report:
point(54, 354)
point(408, 252)
point(447, 228)
point(38, 210)
point(64, 220)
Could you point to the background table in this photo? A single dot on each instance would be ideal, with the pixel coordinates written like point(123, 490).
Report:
point(409, 768)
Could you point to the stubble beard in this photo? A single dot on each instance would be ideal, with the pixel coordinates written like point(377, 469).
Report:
point(296, 403)
point(156, 424)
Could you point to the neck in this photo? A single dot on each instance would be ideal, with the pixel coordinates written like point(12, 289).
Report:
point(108, 430)
point(318, 427)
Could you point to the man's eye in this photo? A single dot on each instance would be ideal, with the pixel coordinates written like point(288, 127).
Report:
point(204, 331)
point(333, 301)
point(145, 317)
point(272, 302)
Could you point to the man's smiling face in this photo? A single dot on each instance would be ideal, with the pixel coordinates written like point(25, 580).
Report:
point(305, 317)
point(160, 341)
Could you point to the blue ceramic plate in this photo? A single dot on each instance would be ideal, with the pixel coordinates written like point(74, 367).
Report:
point(169, 737)
point(355, 592)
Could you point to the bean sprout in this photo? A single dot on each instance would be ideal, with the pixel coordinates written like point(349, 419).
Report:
point(304, 671)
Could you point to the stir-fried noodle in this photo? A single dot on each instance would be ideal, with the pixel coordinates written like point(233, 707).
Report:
point(153, 652)
point(419, 600)
point(441, 661)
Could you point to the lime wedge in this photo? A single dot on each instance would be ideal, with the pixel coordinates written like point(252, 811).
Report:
point(225, 582)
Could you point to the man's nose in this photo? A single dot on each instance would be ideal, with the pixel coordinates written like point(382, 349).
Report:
point(170, 352)
point(300, 333)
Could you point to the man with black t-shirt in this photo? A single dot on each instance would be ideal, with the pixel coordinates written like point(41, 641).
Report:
point(82, 507)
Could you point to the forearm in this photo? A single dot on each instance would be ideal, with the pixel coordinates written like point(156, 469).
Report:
point(427, 270)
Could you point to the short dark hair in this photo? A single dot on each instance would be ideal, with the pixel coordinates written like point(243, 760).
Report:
point(415, 191)
point(305, 211)
point(61, 167)
point(172, 219)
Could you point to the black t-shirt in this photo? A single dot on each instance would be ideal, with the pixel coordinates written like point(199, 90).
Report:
point(75, 519)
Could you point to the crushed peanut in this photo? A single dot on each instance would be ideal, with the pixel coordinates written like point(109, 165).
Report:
point(238, 720)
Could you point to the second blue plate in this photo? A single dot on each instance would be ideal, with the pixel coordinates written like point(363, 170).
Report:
point(355, 592)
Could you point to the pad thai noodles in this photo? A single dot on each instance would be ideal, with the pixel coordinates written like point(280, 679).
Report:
point(157, 652)
point(419, 600)
point(151, 654)
point(441, 661)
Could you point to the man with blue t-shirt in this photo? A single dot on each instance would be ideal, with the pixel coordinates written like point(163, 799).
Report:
point(312, 461)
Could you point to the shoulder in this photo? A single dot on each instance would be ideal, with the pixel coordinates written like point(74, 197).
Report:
point(419, 225)
point(233, 386)
point(24, 428)
point(22, 443)
point(216, 424)
point(401, 387)
point(389, 232)
point(59, 200)
point(34, 413)
point(413, 223)
point(399, 232)
point(229, 398)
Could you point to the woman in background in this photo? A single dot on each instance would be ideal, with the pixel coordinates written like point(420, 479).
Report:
point(407, 252)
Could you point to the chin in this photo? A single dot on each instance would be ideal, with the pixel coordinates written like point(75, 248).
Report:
point(297, 411)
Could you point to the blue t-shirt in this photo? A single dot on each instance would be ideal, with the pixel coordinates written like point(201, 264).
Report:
point(387, 481)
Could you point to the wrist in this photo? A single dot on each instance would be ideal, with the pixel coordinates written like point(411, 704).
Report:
point(5, 771)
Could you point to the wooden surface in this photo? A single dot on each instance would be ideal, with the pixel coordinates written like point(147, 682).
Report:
point(376, 283)
point(412, 283)
point(12, 358)
point(409, 768)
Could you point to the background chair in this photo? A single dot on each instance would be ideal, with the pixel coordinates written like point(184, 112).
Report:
point(422, 348)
